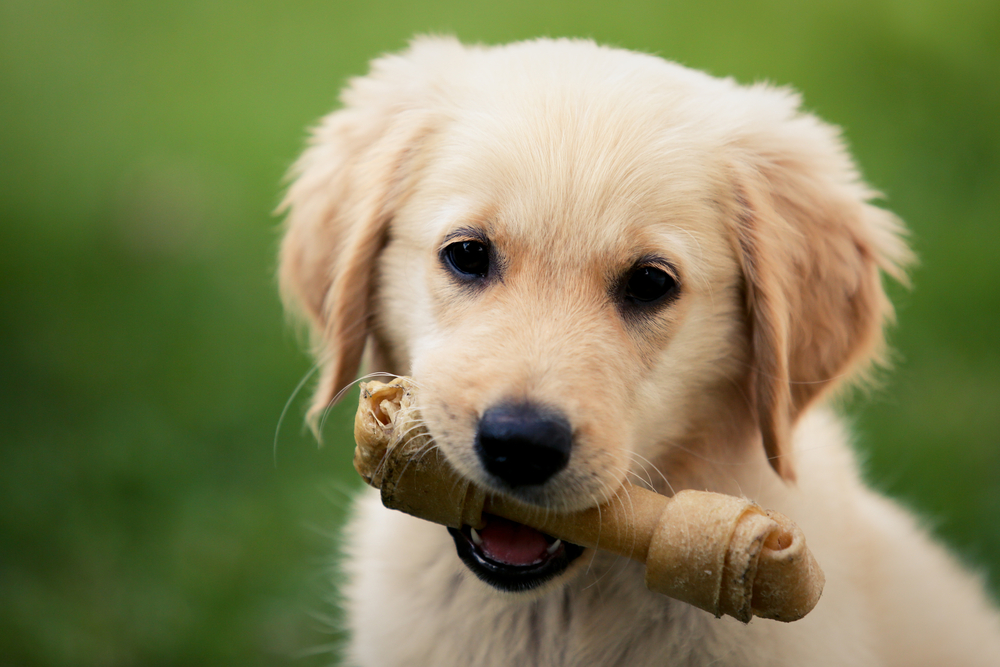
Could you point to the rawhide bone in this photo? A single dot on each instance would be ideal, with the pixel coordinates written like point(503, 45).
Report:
point(720, 553)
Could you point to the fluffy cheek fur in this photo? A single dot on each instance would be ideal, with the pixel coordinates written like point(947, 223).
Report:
point(695, 387)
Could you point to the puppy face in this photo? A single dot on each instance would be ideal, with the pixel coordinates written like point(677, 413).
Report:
point(594, 287)
point(591, 261)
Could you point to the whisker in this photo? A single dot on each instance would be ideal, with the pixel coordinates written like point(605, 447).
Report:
point(396, 442)
point(647, 481)
point(420, 454)
point(633, 531)
point(367, 376)
point(343, 390)
point(611, 568)
point(399, 438)
point(628, 495)
point(288, 403)
point(593, 556)
point(658, 472)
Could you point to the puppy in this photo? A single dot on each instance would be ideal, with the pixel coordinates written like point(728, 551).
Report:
point(599, 265)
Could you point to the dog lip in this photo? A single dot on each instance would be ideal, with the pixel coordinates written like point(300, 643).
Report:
point(510, 577)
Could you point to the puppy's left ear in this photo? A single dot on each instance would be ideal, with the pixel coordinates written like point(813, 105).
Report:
point(811, 249)
point(349, 185)
point(362, 163)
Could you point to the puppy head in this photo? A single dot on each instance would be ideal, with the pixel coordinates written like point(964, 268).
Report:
point(584, 256)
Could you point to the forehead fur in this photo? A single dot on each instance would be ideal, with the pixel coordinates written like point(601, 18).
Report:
point(608, 142)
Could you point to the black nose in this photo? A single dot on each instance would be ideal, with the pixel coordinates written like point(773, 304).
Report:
point(523, 444)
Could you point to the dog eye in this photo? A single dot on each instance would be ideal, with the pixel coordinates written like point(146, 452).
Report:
point(648, 284)
point(470, 258)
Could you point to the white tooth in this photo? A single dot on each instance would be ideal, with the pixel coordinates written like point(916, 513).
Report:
point(475, 537)
point(554, 546)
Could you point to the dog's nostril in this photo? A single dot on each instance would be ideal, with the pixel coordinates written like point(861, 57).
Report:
point(523, 444)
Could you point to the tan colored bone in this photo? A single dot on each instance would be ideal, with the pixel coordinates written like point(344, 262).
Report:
point(720, 553)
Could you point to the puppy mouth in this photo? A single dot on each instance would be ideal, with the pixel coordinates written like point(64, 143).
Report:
point(511, 556)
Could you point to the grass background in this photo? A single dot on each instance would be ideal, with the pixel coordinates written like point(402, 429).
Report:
point(146, 517)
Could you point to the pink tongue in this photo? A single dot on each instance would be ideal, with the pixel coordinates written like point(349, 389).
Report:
point(512, 543)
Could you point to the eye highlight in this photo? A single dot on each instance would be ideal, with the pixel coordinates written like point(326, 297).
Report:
point(647, 284)
point(469, 259)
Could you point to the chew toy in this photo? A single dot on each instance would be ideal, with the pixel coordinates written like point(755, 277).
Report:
point(720, 553)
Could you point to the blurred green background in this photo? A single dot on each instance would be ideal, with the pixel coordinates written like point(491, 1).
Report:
point(146, 517)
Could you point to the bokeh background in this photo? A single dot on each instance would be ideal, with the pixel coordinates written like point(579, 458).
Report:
point(148, 513)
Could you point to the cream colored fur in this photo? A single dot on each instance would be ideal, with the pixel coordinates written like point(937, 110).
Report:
point(576, 161)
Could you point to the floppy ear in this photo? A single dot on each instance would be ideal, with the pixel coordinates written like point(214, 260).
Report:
point(347, 186)
point(811, 248)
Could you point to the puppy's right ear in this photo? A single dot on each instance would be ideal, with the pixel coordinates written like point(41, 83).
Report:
point(812, 248)
point(346, 187)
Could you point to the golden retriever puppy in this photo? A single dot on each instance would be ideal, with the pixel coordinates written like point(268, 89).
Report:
point(599, 265)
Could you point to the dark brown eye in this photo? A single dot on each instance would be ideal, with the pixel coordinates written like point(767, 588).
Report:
point(469, 258)
point(649, 284)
